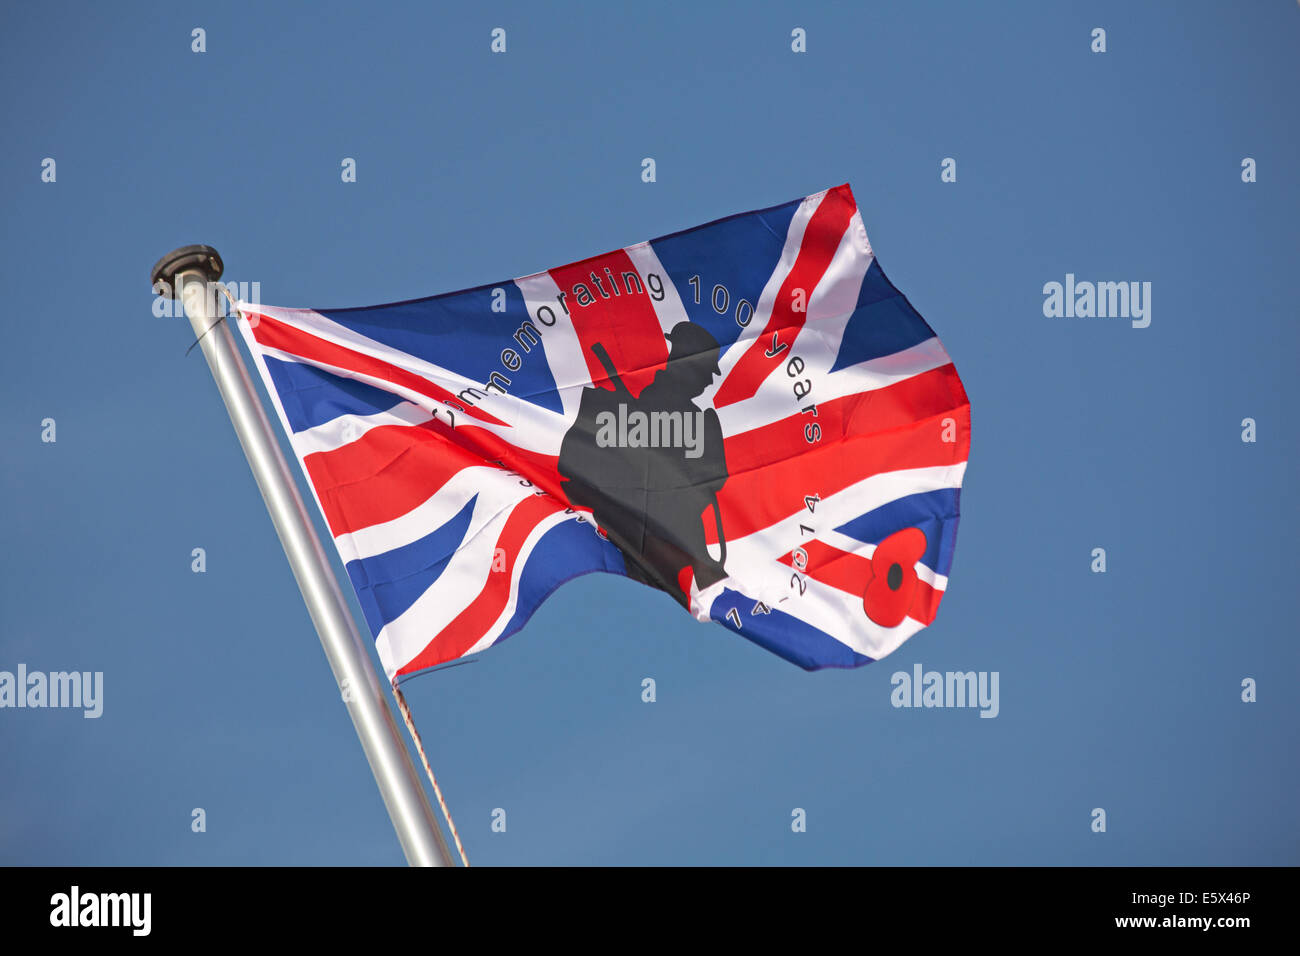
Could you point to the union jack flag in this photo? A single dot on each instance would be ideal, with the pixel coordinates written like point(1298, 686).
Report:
point(747, 415)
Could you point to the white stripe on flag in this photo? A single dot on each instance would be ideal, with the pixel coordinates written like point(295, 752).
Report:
point(763, 308)
point(646, 261)
point(496, 490)
point(460, 583)
point(344, 430)
point(830, 306)
point(560, 343)
point(772, 404)
point(494, 632)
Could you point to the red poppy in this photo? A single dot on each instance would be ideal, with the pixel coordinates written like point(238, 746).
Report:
point(893, 577)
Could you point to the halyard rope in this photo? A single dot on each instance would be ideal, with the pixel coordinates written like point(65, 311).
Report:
point(419, 748)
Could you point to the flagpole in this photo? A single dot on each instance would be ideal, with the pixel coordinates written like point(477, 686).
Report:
point(189, 274)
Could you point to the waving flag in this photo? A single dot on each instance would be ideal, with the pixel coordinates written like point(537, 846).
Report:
point(746, 415)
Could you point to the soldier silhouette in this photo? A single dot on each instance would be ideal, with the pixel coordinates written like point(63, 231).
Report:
point(650, 501)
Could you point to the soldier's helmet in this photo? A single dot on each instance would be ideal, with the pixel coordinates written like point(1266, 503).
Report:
point(693, 342)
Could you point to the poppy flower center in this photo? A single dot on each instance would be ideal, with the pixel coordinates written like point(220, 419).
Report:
point(895, 577)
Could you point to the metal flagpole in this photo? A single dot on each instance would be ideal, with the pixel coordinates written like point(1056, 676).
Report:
point(188, 273)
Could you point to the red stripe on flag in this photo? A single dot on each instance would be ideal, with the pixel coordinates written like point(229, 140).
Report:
point(382, 475)
point(393, 468)
point(279, 335)
point(753, 500)
point(925, 603)
point(473, 622)
point(830, 565)
point(820, 240)
point(625, 324)
point(922, 396)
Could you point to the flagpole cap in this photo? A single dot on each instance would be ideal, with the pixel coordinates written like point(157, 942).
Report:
point(199, 258)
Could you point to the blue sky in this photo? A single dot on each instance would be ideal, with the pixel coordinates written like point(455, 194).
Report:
point(1119, 690)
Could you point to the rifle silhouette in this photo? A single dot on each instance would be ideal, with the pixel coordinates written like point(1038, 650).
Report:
point(610, 371)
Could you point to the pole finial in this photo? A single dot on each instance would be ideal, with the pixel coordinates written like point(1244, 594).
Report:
point(197, 258)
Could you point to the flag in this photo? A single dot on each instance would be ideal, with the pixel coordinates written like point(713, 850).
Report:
point(746, 415)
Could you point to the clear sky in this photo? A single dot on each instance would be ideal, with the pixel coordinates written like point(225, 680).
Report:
point(1119, 690)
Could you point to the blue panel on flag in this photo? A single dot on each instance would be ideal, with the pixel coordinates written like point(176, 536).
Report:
point(934, 512)
point(461, 332)
point(312, 396)
point(739, 253)
point(796, 641)
point(389, 583)
point(568, 550)
point(883, 322)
